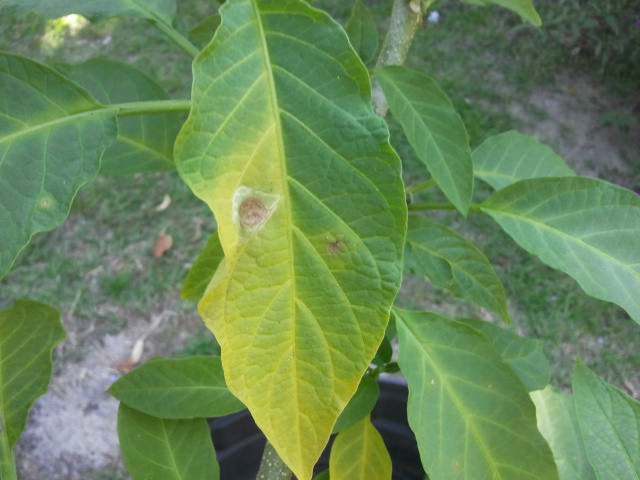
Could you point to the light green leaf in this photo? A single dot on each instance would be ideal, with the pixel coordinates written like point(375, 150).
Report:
point(178, 388)
point(362, 32)
point(360, 404)
point(434, 130)
point(558, 423)
point(145, 142)
point(203, 32)
point(359, 453)
point(28, 333)
point(506, 158)
point(52, 134)
point(585, 227)
point(203, 269)
point(453, 263)
point(283, 145)
point(471, 414)
point(610, 424)
point(97, 9)
point(524, 8)
point(155, 448)
point(524, 355)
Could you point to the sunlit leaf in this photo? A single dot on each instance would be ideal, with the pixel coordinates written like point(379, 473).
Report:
point(610, 424)
point(359, 453)
point(52, 134)
point(203, 269)
point(506, 158)
point(362, 32)
point(283, 145)
point(178, 388)
point(454, 263)
point(558, 423)
point(157, 448)
point(588, 228)
point(145, 142)
point(524, 355)
point(524, 8)
point(96, 9)
point(28, 333)
point(434, 130)
point(471, 414)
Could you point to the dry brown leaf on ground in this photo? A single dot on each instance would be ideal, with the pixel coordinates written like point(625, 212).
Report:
point(166, 201)
point(163, 243)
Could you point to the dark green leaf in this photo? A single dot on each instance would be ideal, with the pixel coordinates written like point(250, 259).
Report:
point(524, 8)
point(524, 355)
point(97, 9)
point(52, 135)
point(161, 449)
point(434, 130)
point(506, 158)
point(453, 263)
point(360, 404)
point(145, 142)
point(203, 32)
point(471, 404)
point(178, 388)
point(610, 424)
point(585, 227)
point(362, 32)
point(203, 268)
point(28, 333)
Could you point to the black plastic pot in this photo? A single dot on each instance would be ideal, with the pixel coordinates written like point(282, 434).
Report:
point(239, 443)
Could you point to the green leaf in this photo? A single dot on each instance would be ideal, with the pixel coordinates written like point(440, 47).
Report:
point(610, 424)
point(178, 388)
point(506, 158)
point(203, 269)
point(203, 32)
point(155, 448)
point(28, 333)
point(434, 130)
point(362, 32)
point(558, 423)
point(52, 134)
point(360, 404)
point(585, 227)
point(97, 9)
point(145, 142)
point(524, 8)
point(283, 145)
point(359, 453)
point(322, 476)
point(453, 263)
point(524, 355)
point(465, 397)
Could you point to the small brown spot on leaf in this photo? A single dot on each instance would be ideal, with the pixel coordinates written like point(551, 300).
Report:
point(252, 212)
point(335, 247)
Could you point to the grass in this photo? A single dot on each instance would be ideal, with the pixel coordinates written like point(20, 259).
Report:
point(98, 267)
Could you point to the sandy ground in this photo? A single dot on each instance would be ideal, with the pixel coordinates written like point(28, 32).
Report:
point(71, 432)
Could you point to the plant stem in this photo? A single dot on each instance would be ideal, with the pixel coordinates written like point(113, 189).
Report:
point(272, 467)
point(406, 19)
point(152, 106)
point(439, 206)
point(179, 39)
point(7, 461)
point(419, 187)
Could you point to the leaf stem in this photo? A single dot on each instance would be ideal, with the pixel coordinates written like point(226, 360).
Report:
point(7, 460)
point(419, 187)
point(179, 39)
point(439, 206)
point(272, 467)
point(152, 106)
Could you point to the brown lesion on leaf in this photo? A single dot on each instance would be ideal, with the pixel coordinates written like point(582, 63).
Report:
point(336, 247)
point(252, 212)
point(252, 208)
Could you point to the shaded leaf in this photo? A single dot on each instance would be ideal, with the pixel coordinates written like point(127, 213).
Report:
point(471, 414)
point(178, 388)
point(588, 228)
point(362, 32)
point(524, 355)
point(452, 262)
point(52, 134)
point(506, 158)
point(558, 423)
point(524, 8)
point(28, 333)
point(203, 32)
point(97, 9)
point(359, 453)
point(144, 142)
point(610, 424)
point(434, 130)
point(360, 404)
point(155, 448)
point(283, 145)
point(203, 269)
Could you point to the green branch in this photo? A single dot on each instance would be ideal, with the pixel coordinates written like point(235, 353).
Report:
point(439, 206)
point(151, 106)
point(179, 39)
